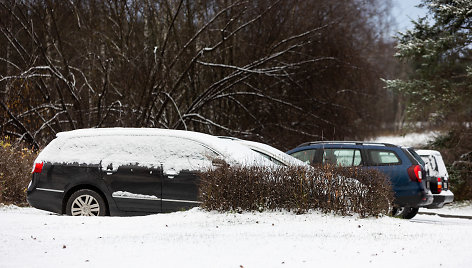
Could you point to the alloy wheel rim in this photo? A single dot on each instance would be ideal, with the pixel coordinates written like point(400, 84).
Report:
point(85, 205)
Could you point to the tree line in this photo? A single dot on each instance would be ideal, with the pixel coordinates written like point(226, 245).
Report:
point(280, 71)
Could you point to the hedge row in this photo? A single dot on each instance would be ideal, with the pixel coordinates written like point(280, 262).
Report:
point(327, 188)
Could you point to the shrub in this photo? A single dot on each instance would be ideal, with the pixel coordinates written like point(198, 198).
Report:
point(460, 180)
point(326, 188)
point(456, 150)
point(16, 161)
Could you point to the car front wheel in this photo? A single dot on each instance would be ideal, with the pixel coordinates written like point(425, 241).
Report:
point(86, 202)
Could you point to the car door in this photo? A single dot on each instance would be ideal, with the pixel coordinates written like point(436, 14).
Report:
point(135, 188)
point(391, 164)
point(182, 160)
point(180, 190)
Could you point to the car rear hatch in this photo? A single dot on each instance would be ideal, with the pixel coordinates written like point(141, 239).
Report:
point(422, 178)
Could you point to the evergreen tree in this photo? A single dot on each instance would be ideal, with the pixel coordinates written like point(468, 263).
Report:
point(439, 51)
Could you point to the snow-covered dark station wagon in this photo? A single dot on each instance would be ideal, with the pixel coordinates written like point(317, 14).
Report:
point(125, 171)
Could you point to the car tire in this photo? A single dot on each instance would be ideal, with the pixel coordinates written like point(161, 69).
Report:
point(409, 213)
point(405, 212)
point(86, 202)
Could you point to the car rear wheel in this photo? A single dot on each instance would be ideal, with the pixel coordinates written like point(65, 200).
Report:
point(86, 202)
point(405, 212)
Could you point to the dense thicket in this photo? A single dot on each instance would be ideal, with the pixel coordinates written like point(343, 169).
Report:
point(261, 69)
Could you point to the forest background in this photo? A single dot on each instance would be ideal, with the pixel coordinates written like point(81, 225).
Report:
point(277, 71)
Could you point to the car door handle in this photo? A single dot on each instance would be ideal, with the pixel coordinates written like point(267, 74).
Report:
point(109, 171)
point(171, 173)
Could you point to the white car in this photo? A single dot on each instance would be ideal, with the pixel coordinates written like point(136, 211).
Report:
point(275, 155)
point(437, 172)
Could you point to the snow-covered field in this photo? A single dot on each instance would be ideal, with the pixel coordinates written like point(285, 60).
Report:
point(196, 238)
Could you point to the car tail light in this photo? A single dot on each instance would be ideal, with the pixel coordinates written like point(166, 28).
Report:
point(439, 185)
point(38, 167)
point(415, 173)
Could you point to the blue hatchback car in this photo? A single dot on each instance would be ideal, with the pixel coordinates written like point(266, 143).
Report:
point(407, 175)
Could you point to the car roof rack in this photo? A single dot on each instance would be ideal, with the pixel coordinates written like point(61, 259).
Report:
point(347, 142)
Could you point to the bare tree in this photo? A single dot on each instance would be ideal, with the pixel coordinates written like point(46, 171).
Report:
point(245, 68)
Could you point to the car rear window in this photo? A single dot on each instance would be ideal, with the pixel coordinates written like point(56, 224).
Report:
point(383, 157)
point(431, 161)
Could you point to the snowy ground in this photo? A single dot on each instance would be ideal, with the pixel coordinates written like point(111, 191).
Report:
point(463, 208)
point(195, 238)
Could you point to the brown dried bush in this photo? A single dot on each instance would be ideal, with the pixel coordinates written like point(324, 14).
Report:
point(326, 188)
point(16, 161)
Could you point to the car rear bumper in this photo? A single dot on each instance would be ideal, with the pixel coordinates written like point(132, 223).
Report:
point(441, 199)
point(45, 199)
point(420, 199)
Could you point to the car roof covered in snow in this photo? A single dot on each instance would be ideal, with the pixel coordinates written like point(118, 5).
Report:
point(78, 152)
point(428, 152)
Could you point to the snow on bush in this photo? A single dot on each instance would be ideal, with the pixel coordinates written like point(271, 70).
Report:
point(327, 188)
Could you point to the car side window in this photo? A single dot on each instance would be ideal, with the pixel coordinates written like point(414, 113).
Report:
point(183, 154)
point(305, 155)
point(342, 157)
point(383, 157)
point(269, 157)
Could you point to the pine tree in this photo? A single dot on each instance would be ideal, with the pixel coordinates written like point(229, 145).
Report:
point(439, 51)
